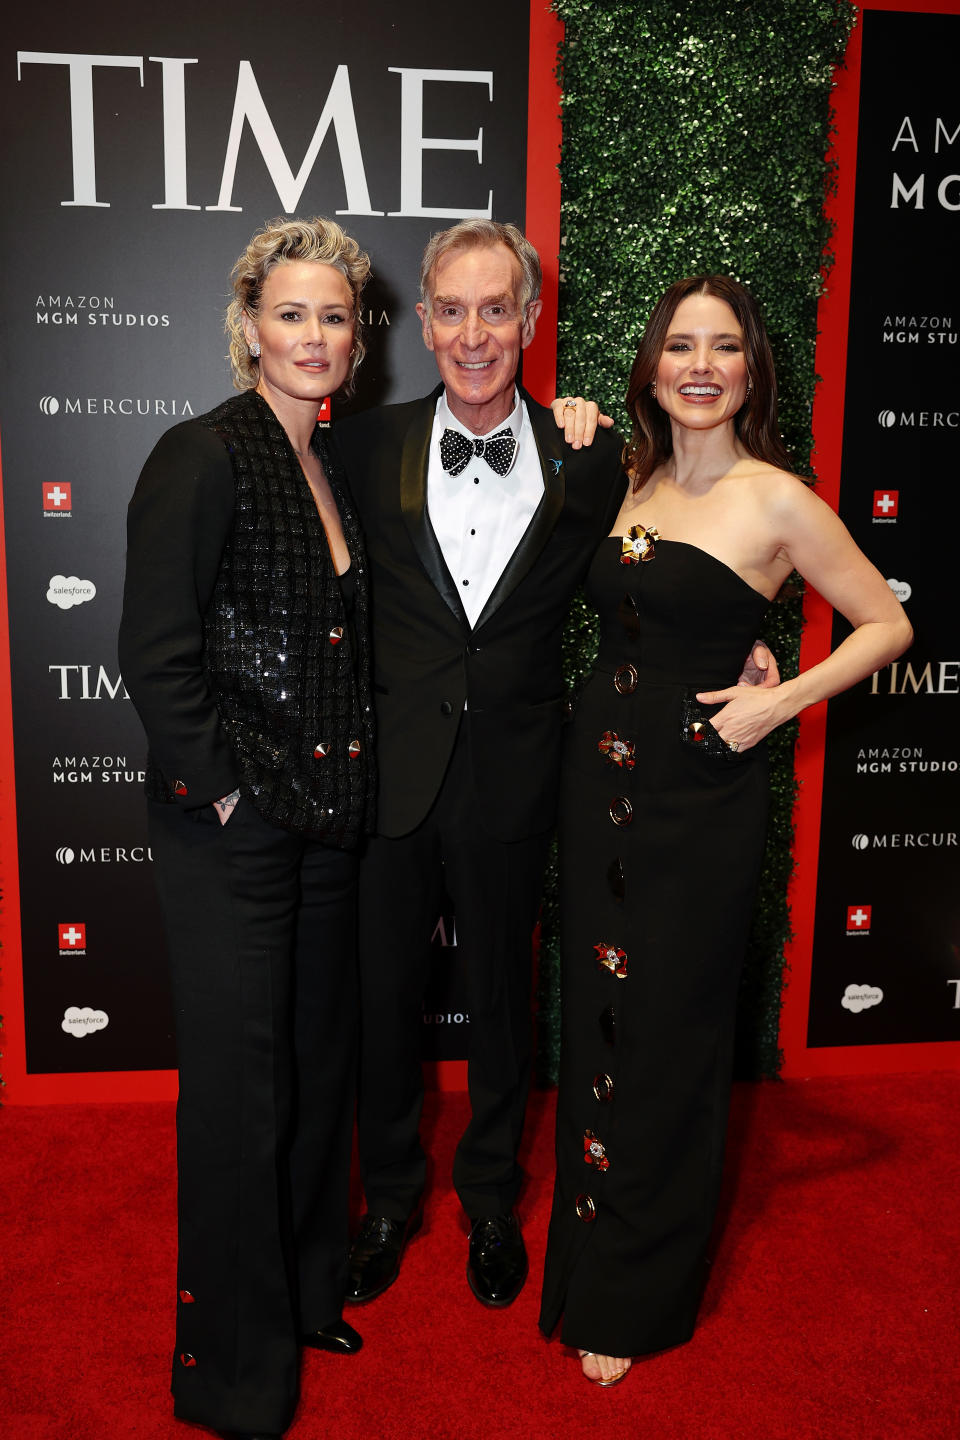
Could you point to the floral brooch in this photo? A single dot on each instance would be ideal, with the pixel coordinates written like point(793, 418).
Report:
point(638, 544)
point(594, 1153)
point(617, 751)
point(612, 958)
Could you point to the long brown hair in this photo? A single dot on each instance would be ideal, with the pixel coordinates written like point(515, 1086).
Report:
point(755, 423)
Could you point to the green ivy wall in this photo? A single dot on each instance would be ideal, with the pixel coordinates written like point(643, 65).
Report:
point(694, 139)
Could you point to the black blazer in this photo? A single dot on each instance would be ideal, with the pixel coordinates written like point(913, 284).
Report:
point(212, 727)
point(428, 661)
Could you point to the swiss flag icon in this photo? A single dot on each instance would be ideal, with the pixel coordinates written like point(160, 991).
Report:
point(323, 414)
point(73, 936)
point(56, 494)
point(886, 503)
point(858, 917)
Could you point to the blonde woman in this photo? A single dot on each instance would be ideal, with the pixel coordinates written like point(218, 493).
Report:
point(244, 645)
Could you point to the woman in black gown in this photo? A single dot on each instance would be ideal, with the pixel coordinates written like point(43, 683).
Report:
point(663, 811)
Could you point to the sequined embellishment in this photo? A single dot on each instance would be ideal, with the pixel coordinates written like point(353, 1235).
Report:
point(336, 635)
point(638, 544)
point(621, 811)
point(586, 1210)
point(612, 958)
point(186, 1298)
point(353, 749)
point(617, 751)
point(179, 788)
point(594, 1153)
point(697, 731)
point(625, 679)
point(603, 1088)
point(321, 749)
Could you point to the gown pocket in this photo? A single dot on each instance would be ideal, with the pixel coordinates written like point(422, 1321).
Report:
point(697, 731)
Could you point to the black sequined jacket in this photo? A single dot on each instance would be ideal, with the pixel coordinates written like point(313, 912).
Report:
point(235, 646)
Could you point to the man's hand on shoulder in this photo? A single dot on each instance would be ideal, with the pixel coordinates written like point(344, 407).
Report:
point(578, 419)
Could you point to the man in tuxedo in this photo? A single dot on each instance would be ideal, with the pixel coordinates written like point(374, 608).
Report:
point(480, 522)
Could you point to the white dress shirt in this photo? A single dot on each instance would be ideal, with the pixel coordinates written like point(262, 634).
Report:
point(478, 516)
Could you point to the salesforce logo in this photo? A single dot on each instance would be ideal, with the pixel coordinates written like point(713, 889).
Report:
point(857, 998)
point(66, 591)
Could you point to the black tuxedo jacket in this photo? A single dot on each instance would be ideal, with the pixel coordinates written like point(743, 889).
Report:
point(429, 662)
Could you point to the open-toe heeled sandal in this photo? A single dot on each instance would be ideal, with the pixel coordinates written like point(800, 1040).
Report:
point(605, 1384)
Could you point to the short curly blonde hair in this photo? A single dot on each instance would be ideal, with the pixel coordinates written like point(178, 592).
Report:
point(279, 242)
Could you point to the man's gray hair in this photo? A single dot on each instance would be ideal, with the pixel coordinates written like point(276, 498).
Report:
point(480, 234)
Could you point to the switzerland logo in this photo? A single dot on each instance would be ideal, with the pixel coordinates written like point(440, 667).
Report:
point(56, 495)
point(886, 504)
point(858, 919)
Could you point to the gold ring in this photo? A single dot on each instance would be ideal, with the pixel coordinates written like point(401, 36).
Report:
point(733, 744)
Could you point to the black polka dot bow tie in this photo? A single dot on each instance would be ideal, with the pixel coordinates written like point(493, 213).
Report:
point(456, 450)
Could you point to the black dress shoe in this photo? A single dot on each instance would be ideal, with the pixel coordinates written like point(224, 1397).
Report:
point(376, 1253)
point(497, 1266)
point(339, 1337)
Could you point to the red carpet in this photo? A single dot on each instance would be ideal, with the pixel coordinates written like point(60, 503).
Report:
point(831, 1311)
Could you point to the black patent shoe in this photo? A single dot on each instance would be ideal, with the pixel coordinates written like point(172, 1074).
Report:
point(497, 1266)
point(376, 1253)
point(339, 1337)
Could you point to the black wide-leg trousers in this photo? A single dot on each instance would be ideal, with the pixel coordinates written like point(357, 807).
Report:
point(495, 887)
point(261, 933)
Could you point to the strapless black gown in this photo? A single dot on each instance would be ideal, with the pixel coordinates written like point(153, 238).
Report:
point(661, 839)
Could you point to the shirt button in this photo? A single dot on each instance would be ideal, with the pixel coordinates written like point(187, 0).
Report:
point(464, 583)
point(445, 707)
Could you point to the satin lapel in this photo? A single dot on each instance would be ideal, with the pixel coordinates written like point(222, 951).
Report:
point(550, 447)
point(414, 459)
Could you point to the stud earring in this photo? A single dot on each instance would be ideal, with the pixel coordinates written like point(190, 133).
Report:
point(653, 389)
point(749, 388)
point(255, 350)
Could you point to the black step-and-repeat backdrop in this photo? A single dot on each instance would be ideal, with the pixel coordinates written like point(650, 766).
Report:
point(886, 953)
point(143, 146)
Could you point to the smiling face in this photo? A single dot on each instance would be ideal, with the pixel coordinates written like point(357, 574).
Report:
point(305, 332)
point(702, 372)
point(476, 330)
